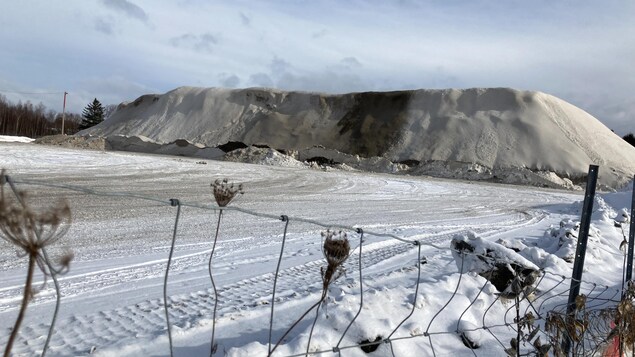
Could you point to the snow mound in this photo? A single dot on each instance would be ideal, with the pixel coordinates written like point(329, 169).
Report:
point(623, 217)
point(562, 241)
point(602, 210)
point(262, 156)
point(15, 139)
point(495, 128)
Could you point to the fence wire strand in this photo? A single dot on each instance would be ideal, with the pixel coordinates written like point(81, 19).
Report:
point(284, 219)
point(177, 204)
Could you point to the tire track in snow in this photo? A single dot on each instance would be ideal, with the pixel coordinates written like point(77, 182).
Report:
point(77, 334)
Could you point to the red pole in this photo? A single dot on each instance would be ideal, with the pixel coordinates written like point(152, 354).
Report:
point(64, 112)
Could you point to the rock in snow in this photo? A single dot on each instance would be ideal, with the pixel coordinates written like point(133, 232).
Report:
point(500, 130)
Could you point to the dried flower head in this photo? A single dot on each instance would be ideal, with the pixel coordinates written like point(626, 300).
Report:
point(336, 247)
point(225, 192)
point(30, 230)
point(336, 250)
point(64, 261)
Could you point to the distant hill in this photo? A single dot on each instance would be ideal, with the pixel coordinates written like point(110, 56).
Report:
point(497, 128)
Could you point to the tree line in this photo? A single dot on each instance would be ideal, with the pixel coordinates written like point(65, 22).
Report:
point(34, 121)
point(28, 119)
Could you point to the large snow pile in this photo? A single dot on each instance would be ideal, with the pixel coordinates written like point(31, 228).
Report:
point(496, 128)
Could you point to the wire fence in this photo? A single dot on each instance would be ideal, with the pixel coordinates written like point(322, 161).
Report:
point(533, 306)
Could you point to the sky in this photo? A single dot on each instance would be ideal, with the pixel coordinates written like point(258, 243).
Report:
point(116, 50)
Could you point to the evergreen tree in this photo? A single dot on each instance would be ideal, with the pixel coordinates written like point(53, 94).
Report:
point(630, 138)
point(92, 115)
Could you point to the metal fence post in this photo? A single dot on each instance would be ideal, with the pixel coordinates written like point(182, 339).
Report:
point(578, 264)
point(631, 238)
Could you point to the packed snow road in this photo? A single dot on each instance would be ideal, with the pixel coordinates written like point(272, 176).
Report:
point(112, 296)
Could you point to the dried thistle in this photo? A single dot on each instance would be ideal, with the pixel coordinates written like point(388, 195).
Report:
point(30, 232)
point(336, 250)
point(64, 261)
point(225, 192)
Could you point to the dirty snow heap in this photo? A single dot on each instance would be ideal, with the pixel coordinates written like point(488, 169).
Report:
point(495, 133)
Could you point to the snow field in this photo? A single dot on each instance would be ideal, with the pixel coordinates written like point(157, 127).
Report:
point(112, 297)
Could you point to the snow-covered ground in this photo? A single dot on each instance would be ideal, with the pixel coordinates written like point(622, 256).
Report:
point(112, 297)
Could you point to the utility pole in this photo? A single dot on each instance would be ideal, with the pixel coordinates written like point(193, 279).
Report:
point(64, 112)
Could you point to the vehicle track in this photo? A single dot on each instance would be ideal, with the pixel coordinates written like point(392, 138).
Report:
point(77, 334)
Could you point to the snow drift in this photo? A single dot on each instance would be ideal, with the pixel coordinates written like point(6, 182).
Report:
point(495, 128)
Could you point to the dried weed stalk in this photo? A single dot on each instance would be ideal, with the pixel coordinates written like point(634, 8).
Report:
point(606, 332)
point(527, 334)
point(224, 192)
point(30, 232)
point(336, 249)
point(560, 326)
point(625, 319)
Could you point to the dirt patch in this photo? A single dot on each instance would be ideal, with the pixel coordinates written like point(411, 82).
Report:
point(232, 145)
point(72, 141)
point(322, 161)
